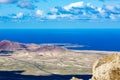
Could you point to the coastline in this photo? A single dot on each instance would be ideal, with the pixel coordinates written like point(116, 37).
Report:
point(96, 51)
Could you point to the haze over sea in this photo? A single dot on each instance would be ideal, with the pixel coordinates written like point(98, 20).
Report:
point(90, 39)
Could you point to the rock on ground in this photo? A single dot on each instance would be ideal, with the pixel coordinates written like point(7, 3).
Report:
point(107, 68)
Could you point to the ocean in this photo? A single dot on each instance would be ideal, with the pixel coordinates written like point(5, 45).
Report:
point(80, 39)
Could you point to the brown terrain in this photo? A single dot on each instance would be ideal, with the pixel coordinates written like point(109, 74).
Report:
point(46, 59)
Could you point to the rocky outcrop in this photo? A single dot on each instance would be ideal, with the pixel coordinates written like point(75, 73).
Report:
point(107, 68)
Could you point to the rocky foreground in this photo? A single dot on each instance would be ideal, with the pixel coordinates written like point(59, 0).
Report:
point(107, 68)
point(46, 59)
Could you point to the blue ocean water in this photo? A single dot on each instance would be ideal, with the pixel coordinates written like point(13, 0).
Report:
point(92, 39)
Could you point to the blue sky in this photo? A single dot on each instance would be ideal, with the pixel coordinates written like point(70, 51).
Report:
point(59, 13)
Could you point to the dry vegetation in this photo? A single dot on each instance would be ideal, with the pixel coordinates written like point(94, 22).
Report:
point(70, 62)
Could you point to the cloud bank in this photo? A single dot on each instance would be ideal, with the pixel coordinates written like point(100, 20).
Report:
point(74, 11)
point(81, 11)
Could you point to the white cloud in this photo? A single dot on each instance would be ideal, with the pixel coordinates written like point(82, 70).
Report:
point(39, 13)
point(54, 10)
point(64, 15)
point(51, 16)
point(112, 17)
point(89, 5)
point(19, 15)
point(76, 4)
point(101, 11)
point(111, 8)
point(26, 4)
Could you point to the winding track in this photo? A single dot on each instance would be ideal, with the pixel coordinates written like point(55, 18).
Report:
point(33, 64)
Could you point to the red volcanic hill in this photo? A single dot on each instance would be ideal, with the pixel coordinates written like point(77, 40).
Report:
point(8, 45)
point(14, 46)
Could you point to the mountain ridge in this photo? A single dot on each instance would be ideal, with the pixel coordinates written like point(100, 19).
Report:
point(6, 45)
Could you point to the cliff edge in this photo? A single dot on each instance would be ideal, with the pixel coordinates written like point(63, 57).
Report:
point(107, 68)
